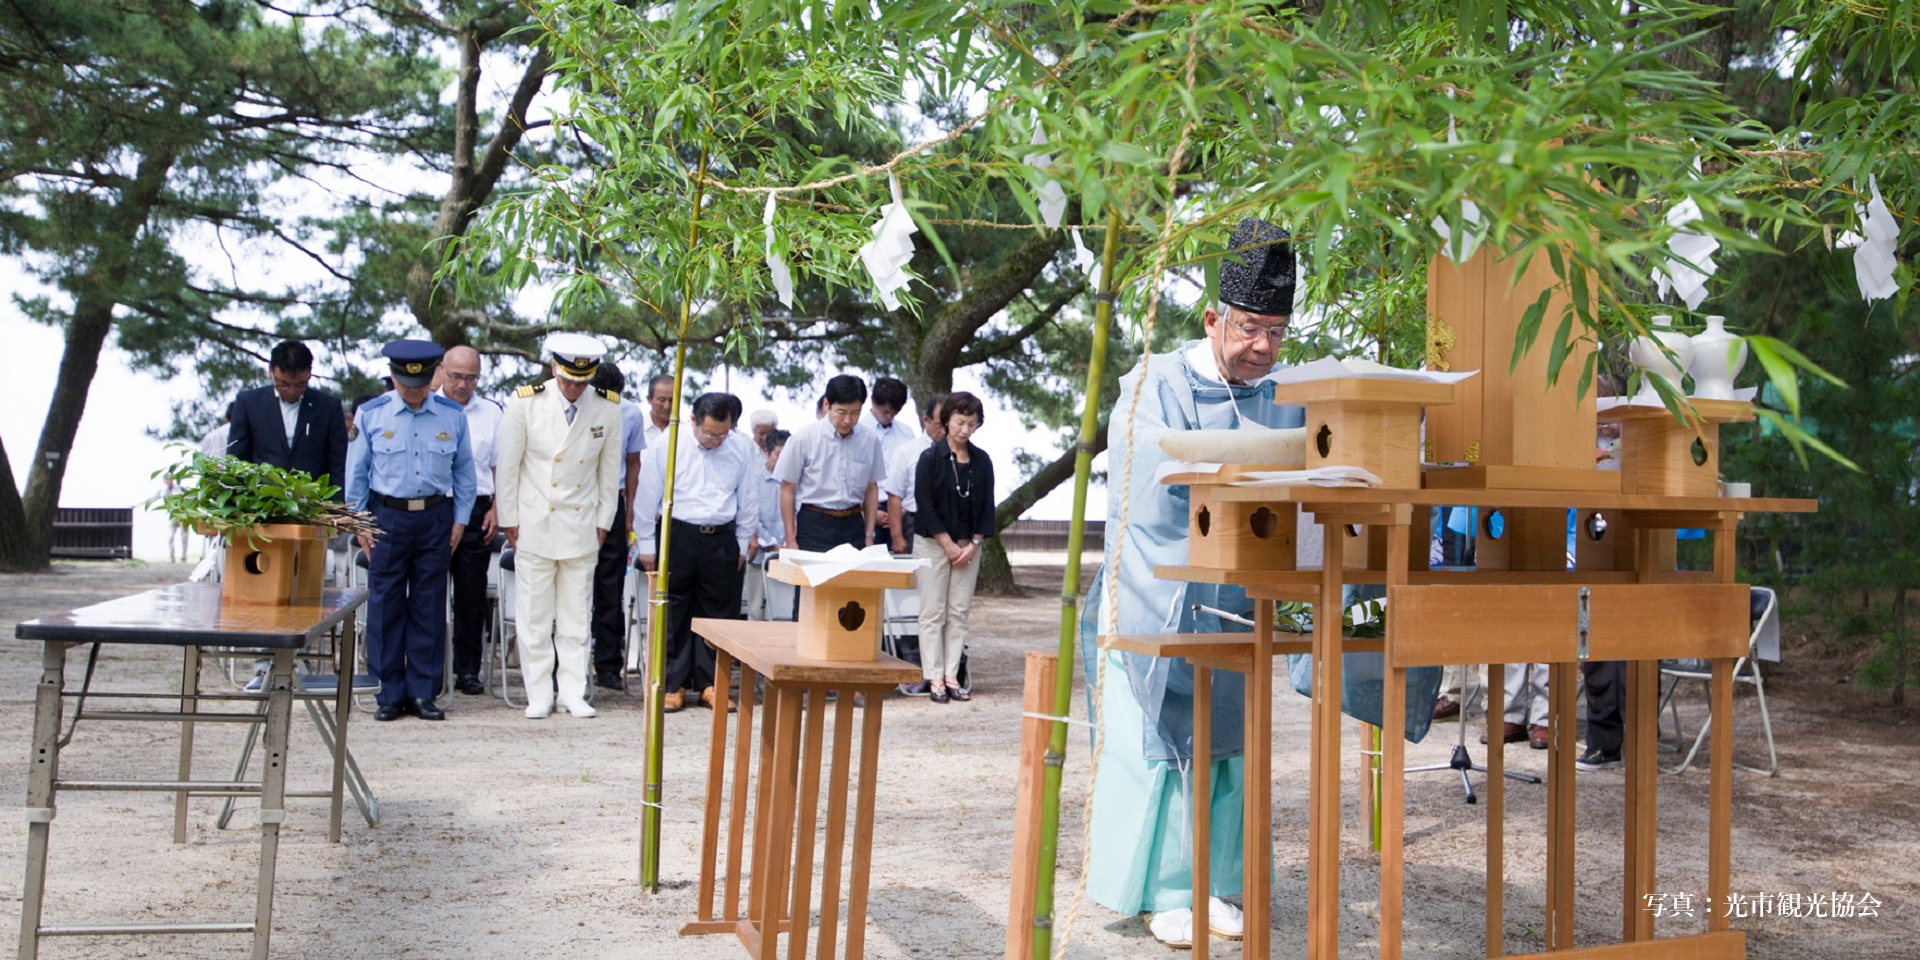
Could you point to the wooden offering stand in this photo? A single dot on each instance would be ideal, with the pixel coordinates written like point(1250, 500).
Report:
point(276, 563)
point(1532, 446)
point(813, 668)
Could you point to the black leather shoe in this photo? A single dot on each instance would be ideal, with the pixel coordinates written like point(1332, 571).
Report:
point(425, 710)
point(470, 685)
point(390, 711)
point(608, 680)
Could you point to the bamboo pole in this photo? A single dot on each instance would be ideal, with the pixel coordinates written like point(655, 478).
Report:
point(657, 623)
point(1070, 595)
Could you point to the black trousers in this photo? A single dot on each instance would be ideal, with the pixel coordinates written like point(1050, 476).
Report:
point(609, 598)
point(470, 561)
point(703, 580)
point(819, 532)
point(1606, 689)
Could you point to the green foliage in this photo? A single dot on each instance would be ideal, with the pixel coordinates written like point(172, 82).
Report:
point(224, 496)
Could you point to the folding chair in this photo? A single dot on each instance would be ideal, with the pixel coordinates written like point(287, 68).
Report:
point(316, 691)
point(505, 626)
point(1763, 643)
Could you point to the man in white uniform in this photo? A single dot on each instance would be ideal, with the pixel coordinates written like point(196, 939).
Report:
point(558, 480)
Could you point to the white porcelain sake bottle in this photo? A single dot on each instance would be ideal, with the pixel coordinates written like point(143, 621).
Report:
point(1717, 359)
point(1653, 362)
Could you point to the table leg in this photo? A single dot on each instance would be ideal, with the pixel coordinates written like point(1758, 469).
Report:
point(1561, 680)
point(801, 899)
point(343, 659)
point(1323, 803)
point(1642, 697)
point(1257, 818)
point(716, 782)
point(189, 703)
point(1720, 797)
point(1393, 765)
point(836, 825)
point(863, 830)
point(273, 793)
point(1202, 803)
point(1496, 806)
point(737, 806)
point(40, 793)
point(777, 858)
point(758, 877)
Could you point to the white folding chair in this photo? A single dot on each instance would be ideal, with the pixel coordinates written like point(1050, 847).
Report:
point(1762, 644)
point(505, 629)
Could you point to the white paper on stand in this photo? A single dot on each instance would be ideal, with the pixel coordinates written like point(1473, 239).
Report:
point(817, 568)
point(1333, 368)
point(1328, 476)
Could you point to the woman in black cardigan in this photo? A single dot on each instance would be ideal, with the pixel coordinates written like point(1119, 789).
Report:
point(954, 486)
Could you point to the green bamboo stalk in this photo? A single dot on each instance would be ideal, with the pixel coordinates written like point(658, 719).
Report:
point(657, 621)
point(1069, 595)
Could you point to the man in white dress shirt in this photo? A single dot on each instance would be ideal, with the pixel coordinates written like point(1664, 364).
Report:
point(557, 481)
point(716, 487)
point(610, 571)
point(830, 474)
point(459, 376)
point(659, 408)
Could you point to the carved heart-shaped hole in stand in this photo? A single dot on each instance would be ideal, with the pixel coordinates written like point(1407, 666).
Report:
point(257, 562)
point(1203, 520)
point(1264, 523)
point(1699, 451)
point(1323, 441)
point(852, 615)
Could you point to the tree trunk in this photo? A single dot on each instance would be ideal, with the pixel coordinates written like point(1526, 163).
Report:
point(996, 571)
point(86, 337)
point(18, 549)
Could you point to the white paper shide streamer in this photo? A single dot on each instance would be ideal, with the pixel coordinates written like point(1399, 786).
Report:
point(1461, 249)
point(1084, 259)
point(1051, 197)
point(886, 255)
point(782, 277)
point(1686, 272)
point(1873, 259)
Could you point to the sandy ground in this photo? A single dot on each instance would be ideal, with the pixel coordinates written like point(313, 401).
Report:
point(508, 838)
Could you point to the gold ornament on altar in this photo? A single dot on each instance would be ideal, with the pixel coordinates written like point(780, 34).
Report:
point(1440, 342)
point(1473, 453)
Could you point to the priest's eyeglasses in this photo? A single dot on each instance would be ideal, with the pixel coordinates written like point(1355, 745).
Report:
point(1253, 332)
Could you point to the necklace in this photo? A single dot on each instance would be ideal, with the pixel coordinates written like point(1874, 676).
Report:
point(963, 491)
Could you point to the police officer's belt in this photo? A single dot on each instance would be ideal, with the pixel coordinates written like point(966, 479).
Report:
point(708, 528)
point(411, 505)
point(848, 512)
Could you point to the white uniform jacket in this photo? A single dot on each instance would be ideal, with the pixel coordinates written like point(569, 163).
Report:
point(559, 484)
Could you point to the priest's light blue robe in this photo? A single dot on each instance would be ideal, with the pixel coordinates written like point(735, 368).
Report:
point(1141, 851)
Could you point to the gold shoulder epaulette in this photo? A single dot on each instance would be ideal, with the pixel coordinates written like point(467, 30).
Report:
point(530, 389)
point(610, 395)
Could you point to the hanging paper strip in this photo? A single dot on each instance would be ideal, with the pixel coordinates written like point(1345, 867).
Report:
point(886, 255)
point(1691, 263)
point(1873, 259)
point(1461, 249)
point(1052, 199)
point(782, 277)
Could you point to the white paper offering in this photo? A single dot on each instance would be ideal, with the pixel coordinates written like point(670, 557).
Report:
point(1328, 476)
point(1334, 368)
point(817, 568)
point(886, 255)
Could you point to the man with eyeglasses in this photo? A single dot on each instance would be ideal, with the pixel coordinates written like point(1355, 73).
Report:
point(459, 379)
point(716, 486)
point(289, 424)
point(1139, 795)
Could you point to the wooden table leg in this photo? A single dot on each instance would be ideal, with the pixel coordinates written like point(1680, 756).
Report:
point(758, 877)
point(1202, 803)
point(1642, 698)
point(42, 773)
point(777, 856)
point(343, 657)
point(1496, 805)
point(1257, 819)
point(802, 898)
point(863, 831)
point(1393, 761)
point(1323, 803)
point(1561, 681)
point(273, 794)
point(837, 781)
point(737, 806)
point(189, 703)
point(1720, 797)
point(716, 783)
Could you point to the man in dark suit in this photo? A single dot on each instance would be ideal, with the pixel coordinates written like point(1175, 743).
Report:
point(289, 425)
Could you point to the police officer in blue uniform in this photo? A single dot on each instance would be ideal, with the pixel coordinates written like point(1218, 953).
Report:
point(413, 470)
